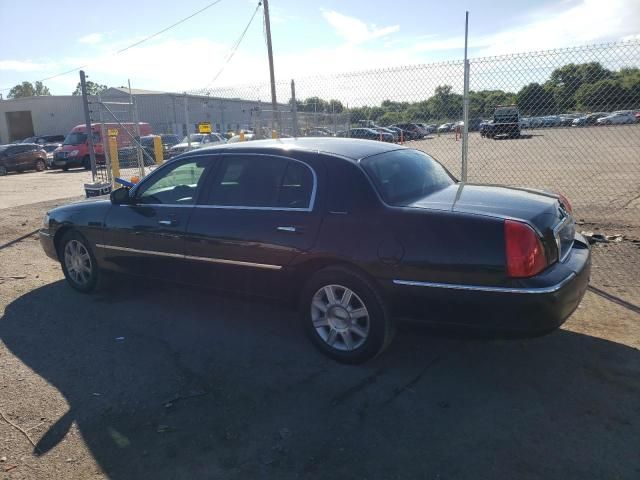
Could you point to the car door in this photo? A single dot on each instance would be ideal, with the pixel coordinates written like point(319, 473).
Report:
point(259, 214)
point(10, 159)
point(146, 236)
point(25, 157)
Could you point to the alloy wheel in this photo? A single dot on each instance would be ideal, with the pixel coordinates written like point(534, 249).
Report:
point(78, 262)
point(340, 317)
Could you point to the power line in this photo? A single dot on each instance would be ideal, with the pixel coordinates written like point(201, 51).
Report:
point(235, 46)
point(135, 44)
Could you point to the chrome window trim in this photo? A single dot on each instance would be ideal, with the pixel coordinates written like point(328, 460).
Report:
point(312, 200)
point(481, 288)
point(191, 257)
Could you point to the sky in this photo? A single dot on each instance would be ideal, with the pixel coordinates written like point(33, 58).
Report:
point(309, 38)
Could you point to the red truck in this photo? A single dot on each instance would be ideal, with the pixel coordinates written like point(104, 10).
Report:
point(74, 151)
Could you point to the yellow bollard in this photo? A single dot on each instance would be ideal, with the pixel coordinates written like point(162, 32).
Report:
point(274, 134)
point(157, 149)
point(115, 163)
point(242, 136)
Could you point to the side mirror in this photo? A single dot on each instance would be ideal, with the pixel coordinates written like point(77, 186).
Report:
point(120, 196)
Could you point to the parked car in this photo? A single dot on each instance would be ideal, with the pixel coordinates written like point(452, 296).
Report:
point(42, 139)
point(395, 136)
point(535, 122)
point(50, 148)
point(566, 119)
point(19, 157)
point(237, 138)
point(506, 121)
point(637, 115)
point(357, 233)
point(428, 129)
point(369, 134)
point(198, 140)
point(525, 122)
point(74, 151)
point(319, 132)
point(617, 118)
point(405, 135)
point(590, 119)
point(415, 130)
point(485, 126)
point(445, 127)
point(128, 156)
point(550, 121)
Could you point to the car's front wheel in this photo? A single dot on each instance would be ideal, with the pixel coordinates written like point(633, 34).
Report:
point(3, 170)
point(345, 316)
point(40, 165)
point(78, 262)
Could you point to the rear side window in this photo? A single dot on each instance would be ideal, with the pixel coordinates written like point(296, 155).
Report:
point(349, 189)
point(404, 176)
point(262, 182)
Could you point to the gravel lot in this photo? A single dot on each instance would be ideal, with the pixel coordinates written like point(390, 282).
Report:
point(157, 381)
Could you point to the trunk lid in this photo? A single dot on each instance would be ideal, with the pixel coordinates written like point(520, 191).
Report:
point(541, 209)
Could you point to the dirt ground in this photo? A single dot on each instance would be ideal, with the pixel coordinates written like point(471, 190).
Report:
point(151, 381)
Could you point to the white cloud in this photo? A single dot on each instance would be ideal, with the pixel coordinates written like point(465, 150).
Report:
point(589, 21)
point(91, 39)
point(354, 30)
point(24, 66)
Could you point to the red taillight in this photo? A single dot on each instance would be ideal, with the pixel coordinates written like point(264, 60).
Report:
point(565, 201)
point(524, 252)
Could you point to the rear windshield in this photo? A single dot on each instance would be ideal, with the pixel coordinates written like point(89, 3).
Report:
point(75, 139)
point(404, 176)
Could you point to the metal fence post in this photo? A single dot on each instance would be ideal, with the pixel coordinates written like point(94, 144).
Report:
point(294, 108)
point(465, 105)
point(186, 120)
point(87, 119)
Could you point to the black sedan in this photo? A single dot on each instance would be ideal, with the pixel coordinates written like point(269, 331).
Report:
point(356, 233)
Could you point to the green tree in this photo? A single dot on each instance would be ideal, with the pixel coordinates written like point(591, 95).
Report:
point(534, 99)
point(334, 106)
point(27, 89)
point(444, 104)
point(314, 104)
point(566, 80)
point(602, 96)
point(92, 88)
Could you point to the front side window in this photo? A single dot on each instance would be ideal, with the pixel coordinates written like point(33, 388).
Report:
point(262, 182)
point(75, 138)
point(173, 186)
point(404, 176)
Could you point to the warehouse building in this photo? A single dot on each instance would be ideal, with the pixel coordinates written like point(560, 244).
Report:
point(166, 112)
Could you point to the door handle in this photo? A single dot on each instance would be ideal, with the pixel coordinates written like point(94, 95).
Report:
point(170, 223)
point(290, 229)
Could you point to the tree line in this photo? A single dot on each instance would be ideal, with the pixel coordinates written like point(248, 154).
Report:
point(586, 87)
point(38, 89)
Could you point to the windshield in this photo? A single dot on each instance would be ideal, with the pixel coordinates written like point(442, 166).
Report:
point(195, 137)
point(404, 176)
point(75, 138)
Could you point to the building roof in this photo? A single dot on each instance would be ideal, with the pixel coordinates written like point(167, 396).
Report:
point(134, 91)
point(354, 149)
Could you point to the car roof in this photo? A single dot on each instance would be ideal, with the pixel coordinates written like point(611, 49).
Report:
point(351, 148)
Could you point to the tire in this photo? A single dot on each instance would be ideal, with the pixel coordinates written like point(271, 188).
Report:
point(86, 162)
point(78, 262)
point(65, 169)
point(331, 323)
point(3, 170)
point(41, 165)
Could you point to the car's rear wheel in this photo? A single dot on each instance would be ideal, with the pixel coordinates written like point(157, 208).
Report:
point(345, 316)
point(40, 165)
point(65, 168)
point(3, 170)
point(78, 262)
point(86, 162)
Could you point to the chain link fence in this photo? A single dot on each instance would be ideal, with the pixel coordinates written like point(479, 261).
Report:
point(564, 120)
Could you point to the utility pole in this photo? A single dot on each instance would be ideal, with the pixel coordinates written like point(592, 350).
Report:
point(465, 105)
point(274, 102)
point(87, 119)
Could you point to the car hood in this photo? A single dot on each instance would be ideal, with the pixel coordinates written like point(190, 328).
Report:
point(540, 208)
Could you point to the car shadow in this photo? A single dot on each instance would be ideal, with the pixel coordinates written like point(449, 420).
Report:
point(166, 382)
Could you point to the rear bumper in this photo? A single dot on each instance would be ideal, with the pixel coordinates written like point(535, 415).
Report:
point(534, 306)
